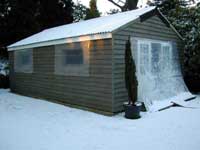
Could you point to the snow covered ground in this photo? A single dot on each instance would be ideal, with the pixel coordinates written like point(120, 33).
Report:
point(33, 124)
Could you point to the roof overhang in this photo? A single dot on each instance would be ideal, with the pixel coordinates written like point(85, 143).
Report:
point(97, 36)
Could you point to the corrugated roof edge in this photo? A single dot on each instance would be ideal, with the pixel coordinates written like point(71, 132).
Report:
point(63, 41)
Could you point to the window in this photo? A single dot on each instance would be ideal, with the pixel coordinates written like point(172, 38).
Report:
point(153, 56)
point(23, 61)
point(73, 57)
point(72, 60)
point(25, 57)
point(166, 57)
point(156, 57)
point(144, 61)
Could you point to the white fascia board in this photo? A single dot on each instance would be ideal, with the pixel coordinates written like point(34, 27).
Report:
point(63, 41)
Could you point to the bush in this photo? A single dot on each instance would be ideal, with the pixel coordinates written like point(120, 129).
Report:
point(130, 75)
point(186, 20)
point(4, 73)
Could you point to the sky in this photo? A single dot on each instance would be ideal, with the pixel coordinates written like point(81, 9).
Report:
point(104, 5)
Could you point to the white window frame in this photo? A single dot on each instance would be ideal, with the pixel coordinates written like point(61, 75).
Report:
point(170, 52)
point(139, 54)
point(149, 42)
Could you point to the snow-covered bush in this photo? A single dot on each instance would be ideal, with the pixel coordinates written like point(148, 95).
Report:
point(186, 20)
point(4, 67)
point(189, 26)
point(4, 71)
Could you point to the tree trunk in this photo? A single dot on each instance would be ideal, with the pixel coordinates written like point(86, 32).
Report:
point(128, 4)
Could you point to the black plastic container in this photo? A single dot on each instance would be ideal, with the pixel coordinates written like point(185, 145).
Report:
point(132, 111)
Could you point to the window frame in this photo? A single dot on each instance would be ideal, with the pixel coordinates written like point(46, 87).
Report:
point(170, 53)
point(149, 42)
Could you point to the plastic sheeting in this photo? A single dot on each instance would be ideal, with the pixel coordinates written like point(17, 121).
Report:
point(23, 61)
point(72, 59)
point(158, 71)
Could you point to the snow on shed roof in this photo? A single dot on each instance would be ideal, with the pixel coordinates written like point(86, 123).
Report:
point(97, 28)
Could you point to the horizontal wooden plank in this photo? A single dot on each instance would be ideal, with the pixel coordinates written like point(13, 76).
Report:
point(64, 79)
point(150, 35)
point(71, 100)
point(89, 93)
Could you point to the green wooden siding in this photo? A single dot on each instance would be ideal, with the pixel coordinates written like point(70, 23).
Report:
point(93, 91)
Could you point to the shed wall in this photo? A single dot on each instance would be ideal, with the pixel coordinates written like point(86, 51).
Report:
point(93, 91)
point(152, 28)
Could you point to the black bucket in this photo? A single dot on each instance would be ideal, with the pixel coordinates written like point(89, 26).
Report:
point(132, 111)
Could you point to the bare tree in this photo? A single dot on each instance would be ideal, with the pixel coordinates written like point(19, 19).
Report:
point(125, 5)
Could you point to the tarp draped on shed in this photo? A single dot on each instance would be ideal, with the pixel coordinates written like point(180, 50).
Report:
point(159, 74)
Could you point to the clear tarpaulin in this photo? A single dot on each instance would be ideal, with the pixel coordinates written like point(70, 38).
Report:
point(23, 61)
point(160, 80)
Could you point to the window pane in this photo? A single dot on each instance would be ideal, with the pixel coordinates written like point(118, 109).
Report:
point(156, 57)
point(23, 61)
point(25, 57)
point(166, 58)
point(144, 58)
point(73, 57)
point(74, 52)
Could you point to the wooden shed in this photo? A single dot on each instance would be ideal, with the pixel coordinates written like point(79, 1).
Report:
point(82, 64)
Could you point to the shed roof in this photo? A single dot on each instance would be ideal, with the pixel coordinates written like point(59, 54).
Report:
point(98, 28)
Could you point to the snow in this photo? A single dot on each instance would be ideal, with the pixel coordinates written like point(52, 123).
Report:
point(28, 123)
point(4, 67)
point(179, 99)
point(99, 25)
